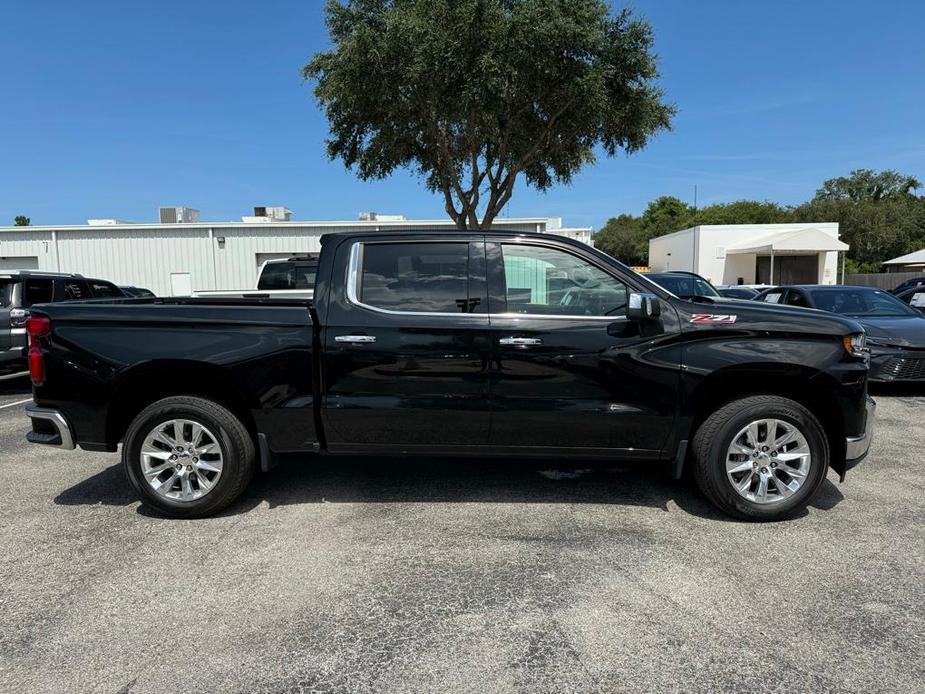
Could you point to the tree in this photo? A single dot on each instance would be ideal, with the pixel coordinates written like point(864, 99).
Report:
point(22, 220)
point(865, 185)
point(665, 215)
point(742, 212)
point(622, 237)
point(475, 94)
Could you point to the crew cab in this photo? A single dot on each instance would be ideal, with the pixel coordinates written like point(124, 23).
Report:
point(20, 289)
point(456, 343)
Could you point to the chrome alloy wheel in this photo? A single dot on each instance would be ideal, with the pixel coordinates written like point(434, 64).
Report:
point(768, 461)
point(181, 460)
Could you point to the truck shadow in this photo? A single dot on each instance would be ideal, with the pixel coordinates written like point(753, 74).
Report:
point(426, 480)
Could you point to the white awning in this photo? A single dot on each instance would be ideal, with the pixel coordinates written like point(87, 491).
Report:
point(800, 241)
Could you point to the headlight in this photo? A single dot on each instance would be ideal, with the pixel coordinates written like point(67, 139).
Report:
point(856, 345)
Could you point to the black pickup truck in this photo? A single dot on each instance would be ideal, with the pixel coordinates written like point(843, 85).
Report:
point(486, 344)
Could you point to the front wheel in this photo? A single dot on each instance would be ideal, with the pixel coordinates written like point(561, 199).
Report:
point(761, 458)
point(188, 457)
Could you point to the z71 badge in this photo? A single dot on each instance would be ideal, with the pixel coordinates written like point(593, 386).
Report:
point(713, 318)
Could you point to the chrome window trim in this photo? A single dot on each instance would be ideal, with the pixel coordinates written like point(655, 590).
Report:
point(353, 278)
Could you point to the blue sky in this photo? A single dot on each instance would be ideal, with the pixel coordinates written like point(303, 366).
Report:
point(112, 109)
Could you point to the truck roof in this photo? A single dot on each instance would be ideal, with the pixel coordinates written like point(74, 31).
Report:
point(11, 274)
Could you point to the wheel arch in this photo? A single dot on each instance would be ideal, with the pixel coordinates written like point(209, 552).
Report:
point(812, 388)
point(154, 380)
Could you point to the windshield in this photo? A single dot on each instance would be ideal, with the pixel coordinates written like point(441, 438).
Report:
point(855, 301)
point(288, 275)
point(685, 285)
point(6, 293)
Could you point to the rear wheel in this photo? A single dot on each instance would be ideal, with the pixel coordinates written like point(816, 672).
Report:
point(760, 458)
point(188, 457)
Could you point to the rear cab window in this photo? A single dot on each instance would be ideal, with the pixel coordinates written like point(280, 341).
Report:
point(288, 275)
point(420, 277)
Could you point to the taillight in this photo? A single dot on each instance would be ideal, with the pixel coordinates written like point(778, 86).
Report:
point(37, 327)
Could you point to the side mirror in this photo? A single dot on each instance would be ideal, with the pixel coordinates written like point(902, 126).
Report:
point(643, 306)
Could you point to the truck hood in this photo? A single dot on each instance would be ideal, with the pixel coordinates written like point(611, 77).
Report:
point(900, 331)
point(757, 315)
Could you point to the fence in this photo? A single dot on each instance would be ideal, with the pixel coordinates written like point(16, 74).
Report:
point(881, 280)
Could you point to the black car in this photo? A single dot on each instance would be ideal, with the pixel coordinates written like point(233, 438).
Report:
point(442, 343)
point(137, 292)
point(895, 331)
point(686, 285)
point(20, 289)
point(746, 293)
point(909, 284)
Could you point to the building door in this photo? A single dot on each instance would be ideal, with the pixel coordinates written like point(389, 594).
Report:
point(181, 284)
point(788, 269)
point(23, 262)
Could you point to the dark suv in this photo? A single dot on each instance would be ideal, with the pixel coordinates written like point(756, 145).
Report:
point(20, 289)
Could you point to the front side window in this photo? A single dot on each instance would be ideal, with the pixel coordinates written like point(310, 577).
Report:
point(38, 292)
point(795, 298)
point(547, 281)
point(415, 277)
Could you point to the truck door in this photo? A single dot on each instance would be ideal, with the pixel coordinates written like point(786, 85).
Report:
point(569, 368)
point(406, 346)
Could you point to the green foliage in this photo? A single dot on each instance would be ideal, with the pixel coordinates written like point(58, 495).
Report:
point(865, 185)
point(743, 212)
point(623, 238)
point(878, 215)
point(474, 94)
point(22, 220)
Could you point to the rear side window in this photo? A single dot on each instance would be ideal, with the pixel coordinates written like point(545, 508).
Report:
point(772, 297)
point(415, 277)
point(74, 290)
point(38, 292)
point(6, 293)
point(104, 290)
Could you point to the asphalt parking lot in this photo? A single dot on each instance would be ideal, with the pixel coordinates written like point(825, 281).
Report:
point(435, 575)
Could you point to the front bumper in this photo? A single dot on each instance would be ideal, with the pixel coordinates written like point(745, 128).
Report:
point(49, 427)
point(857, 447)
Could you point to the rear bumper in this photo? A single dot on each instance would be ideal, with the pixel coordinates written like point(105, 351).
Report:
point(857, 447)
point(49, 427)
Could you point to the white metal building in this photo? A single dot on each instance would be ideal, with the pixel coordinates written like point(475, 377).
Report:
point(752, 253)
point(176, 259)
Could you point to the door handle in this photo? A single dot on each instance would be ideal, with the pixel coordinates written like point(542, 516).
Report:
point(520, 341)
point(355, 339)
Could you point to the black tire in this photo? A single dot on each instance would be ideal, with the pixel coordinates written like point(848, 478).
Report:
point(236, 445)
point(716, 434)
